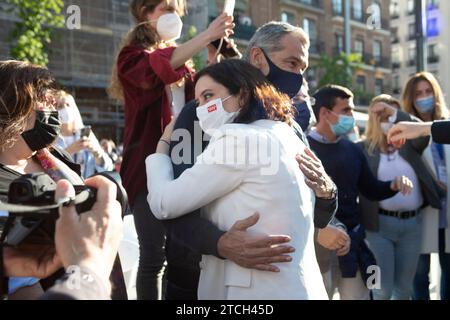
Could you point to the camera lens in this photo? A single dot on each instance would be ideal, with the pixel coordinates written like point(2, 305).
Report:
point(21, 193)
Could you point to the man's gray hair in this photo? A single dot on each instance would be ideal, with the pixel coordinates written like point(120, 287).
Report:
point(269, 37)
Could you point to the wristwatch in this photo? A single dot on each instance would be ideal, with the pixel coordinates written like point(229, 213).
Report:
point(333, 193)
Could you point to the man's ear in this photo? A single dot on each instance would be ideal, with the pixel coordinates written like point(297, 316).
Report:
point(323, 113)
point(257, 57)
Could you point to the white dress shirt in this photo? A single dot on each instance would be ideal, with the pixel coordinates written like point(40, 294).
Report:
point(246, 169)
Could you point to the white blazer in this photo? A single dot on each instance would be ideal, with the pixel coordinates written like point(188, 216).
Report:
point(430, 224)
point(232, 180)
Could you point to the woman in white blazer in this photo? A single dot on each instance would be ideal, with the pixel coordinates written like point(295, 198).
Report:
point(250, 165)
point(423, 98)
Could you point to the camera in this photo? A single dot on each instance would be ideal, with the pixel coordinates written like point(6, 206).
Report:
point(33, 211)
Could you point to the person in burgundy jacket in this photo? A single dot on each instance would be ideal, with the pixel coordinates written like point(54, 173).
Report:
point(152, 77)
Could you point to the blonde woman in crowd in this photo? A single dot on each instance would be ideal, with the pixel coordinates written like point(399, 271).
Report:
point(394, 226)
point(423, 98)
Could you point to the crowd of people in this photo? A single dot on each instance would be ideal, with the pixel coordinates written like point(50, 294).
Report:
point(241, 184)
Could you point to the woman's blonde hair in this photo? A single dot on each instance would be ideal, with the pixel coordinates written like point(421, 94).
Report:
point(142, 35)
point(409, 96)
point(375, 137)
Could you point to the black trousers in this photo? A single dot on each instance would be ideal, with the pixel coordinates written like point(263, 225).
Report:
point(151, 236)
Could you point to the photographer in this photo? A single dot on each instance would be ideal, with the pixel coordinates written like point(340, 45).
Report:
point(96, 236)
point(29, 124)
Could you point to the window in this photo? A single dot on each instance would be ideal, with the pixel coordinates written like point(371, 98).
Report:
point(394, 35)
point(310, 28)
point(411, 6)
point(396, 56)
point(432, 50)
point(357, 10)
point(394, 9)
point(412, 54)
point(359, 46)
point(337, 7)
point(433, 56)
point(361, 83)
point(378, 87)
point(432, 4)
point(339, 43)
point(396, 83)
point(288, 17)
point(377, 50)
point(412, 31)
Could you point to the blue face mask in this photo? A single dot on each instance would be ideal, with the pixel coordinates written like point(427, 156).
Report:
point(286, 82)
point(425, 105)
point(344, 125)
point(303, 116)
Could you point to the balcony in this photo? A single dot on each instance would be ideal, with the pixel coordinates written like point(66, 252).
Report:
point(314, 5)
point(364, 18)
point(411, 37)
point(433, 59)
point(411, 62)
point(378, 62)
point(317, 47)
point(338, 12)
point(395, 15)
point(396, 65)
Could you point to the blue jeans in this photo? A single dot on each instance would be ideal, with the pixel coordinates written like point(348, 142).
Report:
point(422, 280)
point(396, 247)
point(152, 238)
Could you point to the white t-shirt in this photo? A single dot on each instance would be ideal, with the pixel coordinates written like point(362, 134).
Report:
point(392, 166)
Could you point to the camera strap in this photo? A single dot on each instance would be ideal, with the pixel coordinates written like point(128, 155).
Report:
point(18, 208)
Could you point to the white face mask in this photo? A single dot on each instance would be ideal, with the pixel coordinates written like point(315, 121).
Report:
point(386, 126)
point(212, 115)
point(169, 26)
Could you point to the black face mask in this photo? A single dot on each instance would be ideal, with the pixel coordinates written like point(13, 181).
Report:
point(46, 129)
point(303, 116)
point(286, 82)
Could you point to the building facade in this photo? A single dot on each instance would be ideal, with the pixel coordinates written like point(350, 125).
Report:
point(82, 59)
point(404, 51)
point(323, 20)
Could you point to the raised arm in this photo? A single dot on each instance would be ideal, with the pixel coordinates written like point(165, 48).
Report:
point(219, 28)
point(209, 179)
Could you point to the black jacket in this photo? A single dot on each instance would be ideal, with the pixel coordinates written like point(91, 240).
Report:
point(441, 132)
